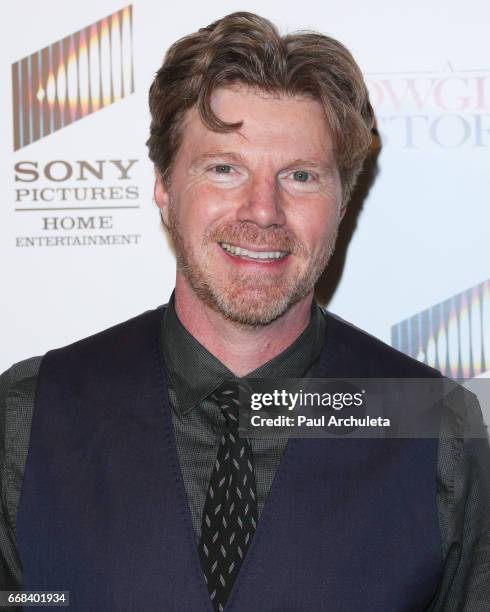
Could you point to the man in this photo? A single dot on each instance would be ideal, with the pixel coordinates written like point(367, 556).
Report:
point(137, 493)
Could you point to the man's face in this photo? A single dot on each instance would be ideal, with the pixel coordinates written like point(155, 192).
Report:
point(253, 213)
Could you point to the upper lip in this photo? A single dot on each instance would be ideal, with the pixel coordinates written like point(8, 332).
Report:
point(255, 248)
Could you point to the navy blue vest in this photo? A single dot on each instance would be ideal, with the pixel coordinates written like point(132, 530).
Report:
point(349, 524)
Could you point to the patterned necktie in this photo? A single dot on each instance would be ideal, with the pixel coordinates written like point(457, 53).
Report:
point(229, 517)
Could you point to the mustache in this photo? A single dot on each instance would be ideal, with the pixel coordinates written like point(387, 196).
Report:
point(274, 239)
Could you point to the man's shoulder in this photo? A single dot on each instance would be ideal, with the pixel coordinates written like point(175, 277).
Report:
point(20, 378)
point(462, 417)
point(352, 344)
point(21, 371)
point(26, 371)
point(113, 338)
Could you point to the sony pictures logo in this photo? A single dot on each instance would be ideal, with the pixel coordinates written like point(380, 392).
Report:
point(62, 201)
point(72, 78)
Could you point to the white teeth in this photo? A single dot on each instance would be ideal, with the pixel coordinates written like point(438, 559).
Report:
point(252, 254)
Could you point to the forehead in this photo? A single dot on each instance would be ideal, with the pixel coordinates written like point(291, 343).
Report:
point(274, 124)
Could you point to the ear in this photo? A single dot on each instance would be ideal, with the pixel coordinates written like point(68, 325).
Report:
point(161, 196)
point(343, 210)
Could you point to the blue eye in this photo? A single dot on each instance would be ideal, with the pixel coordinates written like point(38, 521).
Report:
point(223, 169)
point(301, 176)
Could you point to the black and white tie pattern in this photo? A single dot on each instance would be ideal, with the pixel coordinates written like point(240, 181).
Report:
point(229, 517)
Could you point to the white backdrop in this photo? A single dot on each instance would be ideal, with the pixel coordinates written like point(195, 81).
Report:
point(421, 238)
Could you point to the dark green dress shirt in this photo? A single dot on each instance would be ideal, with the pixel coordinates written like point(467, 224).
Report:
point(194, 373)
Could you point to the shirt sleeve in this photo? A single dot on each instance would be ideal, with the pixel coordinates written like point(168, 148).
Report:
point(17, 389)
point(464, 508)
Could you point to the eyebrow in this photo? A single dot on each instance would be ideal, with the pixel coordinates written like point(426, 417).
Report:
point(310, 163)
point(204, 157)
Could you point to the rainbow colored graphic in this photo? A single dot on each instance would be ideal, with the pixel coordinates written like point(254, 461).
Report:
point(73, 77)
point(452, 336)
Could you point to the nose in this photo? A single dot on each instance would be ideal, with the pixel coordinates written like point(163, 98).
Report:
point(263, 204)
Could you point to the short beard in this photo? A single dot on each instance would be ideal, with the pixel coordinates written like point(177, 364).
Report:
point(261, 306)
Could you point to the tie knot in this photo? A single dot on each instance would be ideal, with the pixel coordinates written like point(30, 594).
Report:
point(227, 396)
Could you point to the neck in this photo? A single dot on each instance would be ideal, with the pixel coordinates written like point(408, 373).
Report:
point(240, 348)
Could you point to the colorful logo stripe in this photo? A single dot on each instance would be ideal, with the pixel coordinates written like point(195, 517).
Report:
point(73, 77)
point(452, 336)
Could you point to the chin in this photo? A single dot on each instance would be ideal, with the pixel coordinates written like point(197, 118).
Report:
point(248, 300)
point(250, 309)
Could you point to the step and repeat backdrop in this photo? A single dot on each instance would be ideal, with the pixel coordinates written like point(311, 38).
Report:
point(81, 243)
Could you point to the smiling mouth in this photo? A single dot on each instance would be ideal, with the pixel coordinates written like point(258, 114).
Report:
point(262, 256)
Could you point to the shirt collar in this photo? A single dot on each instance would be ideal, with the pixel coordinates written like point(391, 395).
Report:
point(194, 373)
